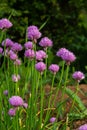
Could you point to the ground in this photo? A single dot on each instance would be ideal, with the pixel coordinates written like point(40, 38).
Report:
point(83, 96)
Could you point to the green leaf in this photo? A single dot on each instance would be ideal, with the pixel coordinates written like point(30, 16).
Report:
point(72, 95)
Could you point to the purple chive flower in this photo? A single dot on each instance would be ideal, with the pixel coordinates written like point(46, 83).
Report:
point(45, 42)
point(40, 55)
point(1, 50)
point(5, 92)
point(16, 101)
point(78, 75)
point(16, 47)
point(54, 68)
point(13, 56)
point(83, 127)
point(25, 105)
point(52, 119)
point(5, 23)
point(61, 52)
point(28, 45)
point(17, 62)
point(40, 66)
point(7, 42)
point(29, 54)
point(33, 33)
point(12, 111)
point(66, 55)
point(15, 78)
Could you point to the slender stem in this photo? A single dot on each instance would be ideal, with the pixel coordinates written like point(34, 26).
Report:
point(66, 77)
point(41, 101)
point(61, 76)
point(49, 103)
point(59, 85)
point(57, 89)
point(16, 84)
point(26, 78)
point(77, 88)
point(46, 65)
point(63, 91)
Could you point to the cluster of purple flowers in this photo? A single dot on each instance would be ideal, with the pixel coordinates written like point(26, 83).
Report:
point(15, 78)
point(12, 55)
point(40, 55)
point(5, 23)
point(33, 33)
point(78, 75)
point(40, 66)
point(53, 119)
point(17, 62)
point(54, 68)
point(8, 43)
point(46, 42)
point(66, 55)
point(16, 101)
point(28, 45)
point(29, 53)
point(16, 47)
point(12, 49)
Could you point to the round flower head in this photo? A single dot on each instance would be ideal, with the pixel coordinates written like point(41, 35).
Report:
point(16, 47)
point(12, 111)
point(40, 66)
point(83, 127)
point(29, 53)
point(15, 78)
point(40, 55)
point(54, 68)
point(5, 23)
point(7, 42)
point(69, 57)
point(45, 42)
point(1, 50)
point(16, 101)
point(28, 45)
point(61, 52)
point(13, 56)
point(33, 33)
point(52, 119)
point(78, 75)
point(17, 62)
point(5, 92)
point(66, 55)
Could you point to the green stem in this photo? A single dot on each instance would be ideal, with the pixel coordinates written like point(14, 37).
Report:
point(60, 81)
point(41, 101)
point(56, 90)
point(63, 89)
point(77, 88)
point(49, 103)
point(63, 93)
point(46, 65)
point(62, 71)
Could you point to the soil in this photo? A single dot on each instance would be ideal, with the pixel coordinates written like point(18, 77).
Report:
point(83, 96)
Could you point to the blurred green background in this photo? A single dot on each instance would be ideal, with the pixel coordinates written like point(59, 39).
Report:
point(66, 24)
